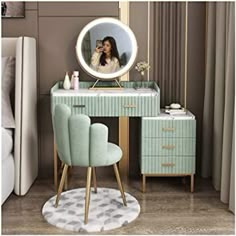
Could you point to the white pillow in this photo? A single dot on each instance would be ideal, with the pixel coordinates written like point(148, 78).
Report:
point(8, 82)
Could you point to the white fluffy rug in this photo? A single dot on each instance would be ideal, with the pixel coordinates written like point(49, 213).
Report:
point(106, 210)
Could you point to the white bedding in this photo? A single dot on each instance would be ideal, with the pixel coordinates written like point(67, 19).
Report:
point(8, 177)
point(7, 142)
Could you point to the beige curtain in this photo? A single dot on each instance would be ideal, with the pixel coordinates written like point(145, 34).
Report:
point(169, 50)
point(217, 156)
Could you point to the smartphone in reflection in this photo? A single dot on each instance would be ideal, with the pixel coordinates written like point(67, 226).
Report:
point(98, 43)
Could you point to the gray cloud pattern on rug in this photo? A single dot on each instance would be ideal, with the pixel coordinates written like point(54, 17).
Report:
point(106, 210)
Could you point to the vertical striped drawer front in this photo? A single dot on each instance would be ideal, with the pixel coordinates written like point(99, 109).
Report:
point(79, 105)
point(168, 128)
point(110, 106)
point(167, 165)
point(127, 102)
point(168, 146)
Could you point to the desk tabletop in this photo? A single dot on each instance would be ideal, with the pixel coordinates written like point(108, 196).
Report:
point(106, 92)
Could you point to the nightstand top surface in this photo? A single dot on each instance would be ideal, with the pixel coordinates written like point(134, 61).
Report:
point(165, 116)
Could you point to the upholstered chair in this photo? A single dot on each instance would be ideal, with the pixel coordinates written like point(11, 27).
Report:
point(81, 144)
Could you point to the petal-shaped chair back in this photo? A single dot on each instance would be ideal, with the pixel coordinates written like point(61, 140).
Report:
point(78, 142)
point(61, 117)
point(72, 136)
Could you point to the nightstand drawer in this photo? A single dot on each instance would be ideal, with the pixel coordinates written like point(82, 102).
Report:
point(168, 165)
point(168, 146)
point(168, 128)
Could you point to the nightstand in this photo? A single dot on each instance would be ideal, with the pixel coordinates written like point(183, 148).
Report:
point(168, 146)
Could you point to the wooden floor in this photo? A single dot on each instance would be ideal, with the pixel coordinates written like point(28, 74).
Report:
point(167, 207)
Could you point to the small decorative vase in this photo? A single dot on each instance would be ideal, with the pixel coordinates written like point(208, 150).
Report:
point(142, 79)
point(66, 83)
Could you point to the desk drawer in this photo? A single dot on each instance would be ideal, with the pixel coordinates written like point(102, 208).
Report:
point(168, 165)
point(128, 106)
point(168, 128)
point(168, 146)
point(111, 106)
point(79, 105)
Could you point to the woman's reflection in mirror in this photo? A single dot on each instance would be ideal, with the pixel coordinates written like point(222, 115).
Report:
point(106, 59)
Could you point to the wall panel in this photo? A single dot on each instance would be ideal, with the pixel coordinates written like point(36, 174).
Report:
point(27, 26)
point(78, 9)
point(31, 5)
point(57, 40)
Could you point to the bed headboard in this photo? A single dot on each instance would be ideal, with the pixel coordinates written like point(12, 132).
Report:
point(26, 134)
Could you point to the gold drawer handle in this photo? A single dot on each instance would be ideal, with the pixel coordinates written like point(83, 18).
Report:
point(168, 146)
point(130, 106)
point(168, 129)
point(168, 164)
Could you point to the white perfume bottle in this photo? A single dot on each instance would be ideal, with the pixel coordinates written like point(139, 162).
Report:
point(66, 83)
point(72, 81)
point(76, 80)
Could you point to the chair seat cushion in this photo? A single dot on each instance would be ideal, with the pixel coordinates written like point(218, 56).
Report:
point(114, 154)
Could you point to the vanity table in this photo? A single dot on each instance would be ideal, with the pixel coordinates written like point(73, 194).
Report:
point(167, 143)
point(125, 102)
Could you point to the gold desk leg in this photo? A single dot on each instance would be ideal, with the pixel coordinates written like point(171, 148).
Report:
point(144, 183)
point(192, 183)
point(55, 165)
point(124, 145)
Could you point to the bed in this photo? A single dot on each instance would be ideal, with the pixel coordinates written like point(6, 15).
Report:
point(20, 142)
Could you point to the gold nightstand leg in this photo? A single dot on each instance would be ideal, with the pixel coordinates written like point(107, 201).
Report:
point(192, 183)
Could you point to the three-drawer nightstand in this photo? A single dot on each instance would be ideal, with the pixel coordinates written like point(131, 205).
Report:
point(168, 146)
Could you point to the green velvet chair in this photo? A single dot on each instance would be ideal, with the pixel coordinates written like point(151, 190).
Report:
point(81, 144)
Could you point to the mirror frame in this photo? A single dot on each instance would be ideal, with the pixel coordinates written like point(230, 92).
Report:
point(83, 63)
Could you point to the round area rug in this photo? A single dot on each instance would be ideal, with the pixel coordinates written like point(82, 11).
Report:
point(106, 210)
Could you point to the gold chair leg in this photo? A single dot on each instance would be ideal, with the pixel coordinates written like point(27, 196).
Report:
point(94, 180)
point(55, 166)
point(119, 184)
point(61, 184)
point(66, 180)
point(87, 198)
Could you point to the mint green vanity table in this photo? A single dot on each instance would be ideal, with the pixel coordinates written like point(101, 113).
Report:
point(167, 142)
point(168, 146)
point(109, 102)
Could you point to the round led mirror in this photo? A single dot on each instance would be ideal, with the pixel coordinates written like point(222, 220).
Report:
point(106, 48)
